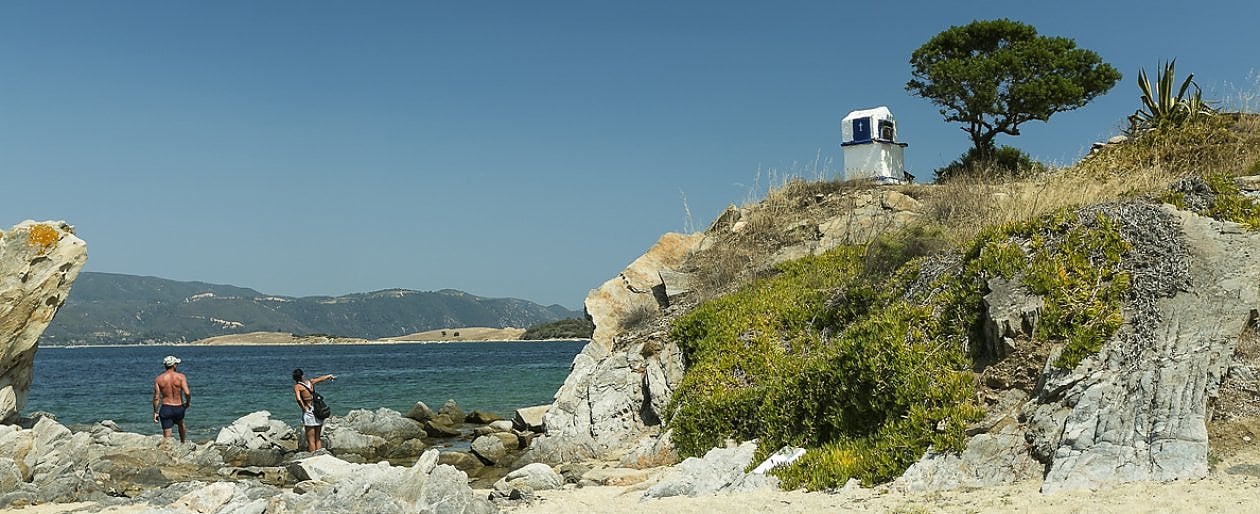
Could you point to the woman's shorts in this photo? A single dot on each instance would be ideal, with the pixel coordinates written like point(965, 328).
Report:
point(309, 419)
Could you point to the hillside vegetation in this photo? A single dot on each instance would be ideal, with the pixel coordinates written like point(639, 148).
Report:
point(869, 355)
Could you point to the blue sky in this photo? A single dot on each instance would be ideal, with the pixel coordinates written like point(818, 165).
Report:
point(507, 149)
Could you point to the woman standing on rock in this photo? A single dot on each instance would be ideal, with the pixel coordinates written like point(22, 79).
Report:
point(304, 391)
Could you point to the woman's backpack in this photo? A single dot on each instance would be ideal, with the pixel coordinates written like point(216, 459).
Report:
point(318, 406)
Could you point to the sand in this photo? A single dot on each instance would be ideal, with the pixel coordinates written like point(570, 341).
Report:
point(1221, 491)
point(1234, 493)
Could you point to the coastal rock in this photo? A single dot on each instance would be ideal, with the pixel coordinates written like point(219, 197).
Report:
point(531, 418)
point(652, 451)
point(462, 461)
point(385, 423)
point(38, 263)
point(347, 443)
point(615, 476)
point(441, 426)
point(501, 425)
point(420, 412)
point(490, 448)
point(324, 468)
point(255, 431)
point(526, 480)
point(481, 417)
point(720, 470)
point(611, 400)
point(988, 460)
point(451, 410)
point(1012, 312)
point(426, 486)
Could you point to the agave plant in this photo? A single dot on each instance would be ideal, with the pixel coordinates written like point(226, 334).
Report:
point(1163, 109)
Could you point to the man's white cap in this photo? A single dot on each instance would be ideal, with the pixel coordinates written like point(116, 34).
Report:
point(170, 360)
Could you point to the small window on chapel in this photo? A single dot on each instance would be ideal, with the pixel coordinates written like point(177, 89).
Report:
point(886, 130)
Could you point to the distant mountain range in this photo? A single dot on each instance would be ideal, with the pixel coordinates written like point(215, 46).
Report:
point(110, 308)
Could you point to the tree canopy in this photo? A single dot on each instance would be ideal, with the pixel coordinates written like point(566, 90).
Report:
point(994, 75)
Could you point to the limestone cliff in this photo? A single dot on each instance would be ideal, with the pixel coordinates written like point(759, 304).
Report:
point(38, 262)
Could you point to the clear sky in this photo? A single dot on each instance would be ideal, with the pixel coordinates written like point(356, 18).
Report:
point(507, 149)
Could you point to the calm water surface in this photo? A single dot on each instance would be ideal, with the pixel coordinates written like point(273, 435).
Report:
point(88, 384)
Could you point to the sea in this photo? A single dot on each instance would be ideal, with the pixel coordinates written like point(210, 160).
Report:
point(85, 385)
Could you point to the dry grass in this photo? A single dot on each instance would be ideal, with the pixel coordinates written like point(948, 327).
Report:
point(789, 215)
point(1141, 167)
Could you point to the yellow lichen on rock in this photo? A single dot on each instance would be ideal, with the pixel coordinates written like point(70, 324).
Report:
point(44, 236)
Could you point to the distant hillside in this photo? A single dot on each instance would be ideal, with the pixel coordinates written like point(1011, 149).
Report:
point(109, 308)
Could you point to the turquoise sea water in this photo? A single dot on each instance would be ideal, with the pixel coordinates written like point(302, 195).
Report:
point(88, 384)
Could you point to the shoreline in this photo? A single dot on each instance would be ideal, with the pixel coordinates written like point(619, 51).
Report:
point(365, 342)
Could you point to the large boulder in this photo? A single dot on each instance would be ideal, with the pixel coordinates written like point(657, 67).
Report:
point(491, 449)
point(255, 431)
point(420, 412)
point(527, 479)
point(720, 470)
point(531, 418)
point(426, 486)
point(385, 423)
point(38, 262)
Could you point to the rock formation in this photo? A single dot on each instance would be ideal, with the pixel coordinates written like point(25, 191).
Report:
point(620, 384)
point(1137, 410)
point(38, 262)
point(616, 390)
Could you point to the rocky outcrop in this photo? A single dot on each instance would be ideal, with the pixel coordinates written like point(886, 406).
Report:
point(38, 262)
point(637, 288)
point(617, 389)
point(615, 396)
point(1137, 410)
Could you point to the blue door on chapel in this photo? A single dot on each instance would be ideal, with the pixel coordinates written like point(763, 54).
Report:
point(861, 130)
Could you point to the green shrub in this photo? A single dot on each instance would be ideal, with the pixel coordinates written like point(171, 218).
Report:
point(871, 370)
point(1006, 161)
point(781, 361)
point(1226, 202)
point(570, 328)
point(1230, 204)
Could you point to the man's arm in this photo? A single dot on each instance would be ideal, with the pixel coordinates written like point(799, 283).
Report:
point(187, 392)
point(317, 380)
point(157, 400)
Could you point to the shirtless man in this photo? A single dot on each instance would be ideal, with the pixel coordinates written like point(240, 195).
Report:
point(171, 397)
